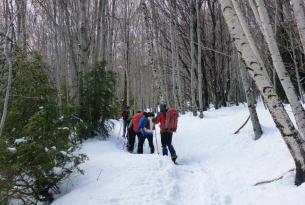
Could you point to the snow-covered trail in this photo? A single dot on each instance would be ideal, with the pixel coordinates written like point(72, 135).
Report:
point(219, 168)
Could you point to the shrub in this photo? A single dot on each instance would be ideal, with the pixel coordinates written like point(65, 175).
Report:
point(38, 146)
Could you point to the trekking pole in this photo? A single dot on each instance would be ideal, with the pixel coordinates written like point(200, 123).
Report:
point(156, 141)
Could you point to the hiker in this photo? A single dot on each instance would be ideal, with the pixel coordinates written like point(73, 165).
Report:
point(131, 135)
point(133, 130)
point(145, 133)
point(165, 131)
point(125, 115)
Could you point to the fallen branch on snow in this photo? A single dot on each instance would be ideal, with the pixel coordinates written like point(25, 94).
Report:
point(273, 180)
point(237, 131)
point(99, 175)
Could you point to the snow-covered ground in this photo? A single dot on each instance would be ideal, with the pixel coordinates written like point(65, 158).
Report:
point(219, 168)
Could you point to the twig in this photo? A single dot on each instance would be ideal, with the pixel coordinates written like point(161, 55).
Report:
point(237, 131)
point(99, 175)
point(273, 180)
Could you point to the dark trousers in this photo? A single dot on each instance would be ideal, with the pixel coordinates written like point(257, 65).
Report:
point(131, 140)
point(166, 141)
point(142, 138)
point(125, 124)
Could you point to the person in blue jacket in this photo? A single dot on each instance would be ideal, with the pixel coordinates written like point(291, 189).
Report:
point(145, 134)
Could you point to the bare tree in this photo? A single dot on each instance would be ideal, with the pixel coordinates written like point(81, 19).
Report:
point(7, 53)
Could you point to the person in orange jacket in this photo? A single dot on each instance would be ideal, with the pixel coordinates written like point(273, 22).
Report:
point(166, 136)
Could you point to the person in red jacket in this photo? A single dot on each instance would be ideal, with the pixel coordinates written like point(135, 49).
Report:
point(166, 136)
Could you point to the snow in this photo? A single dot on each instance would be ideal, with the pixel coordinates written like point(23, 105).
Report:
point(12, 149)
point(218, 167)
point(63, 128)
point(57, 170)
point(20, 140)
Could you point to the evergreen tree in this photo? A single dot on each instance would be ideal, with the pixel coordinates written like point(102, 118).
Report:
point(98, 102)
point(38, 144)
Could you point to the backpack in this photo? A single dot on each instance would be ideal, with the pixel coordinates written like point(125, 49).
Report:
point(171, 120)
point(135, 121)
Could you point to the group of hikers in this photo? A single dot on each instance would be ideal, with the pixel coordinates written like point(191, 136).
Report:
point(142, 124)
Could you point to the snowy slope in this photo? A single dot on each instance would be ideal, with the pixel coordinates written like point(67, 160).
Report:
point(218, 167)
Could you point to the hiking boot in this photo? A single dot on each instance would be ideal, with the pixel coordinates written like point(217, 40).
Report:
point(174, 158)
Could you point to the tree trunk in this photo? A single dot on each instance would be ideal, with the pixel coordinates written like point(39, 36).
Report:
point(290, 135)
point(57, 56)
point(151, 45)
point(111, 29)
point(73, 68)
point(246, 81)
point(296, 66)
point(127, 42)
point(99, 31)
point(257, 17)
point(84, 41)
point(158, 83)
point(247, 32)
point(9, 77)
point(199, 68)
point(173, 48)
point(192, 34)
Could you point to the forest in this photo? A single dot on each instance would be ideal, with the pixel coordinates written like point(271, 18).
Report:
point(69, 67)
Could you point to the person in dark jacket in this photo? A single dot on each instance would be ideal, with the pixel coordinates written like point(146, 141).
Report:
point(166, 136)
point(144, 133)
point(125, 115)
point(131, 137)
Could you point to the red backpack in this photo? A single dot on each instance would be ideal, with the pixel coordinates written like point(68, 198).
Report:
point(135, 121)
point(171, 120)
